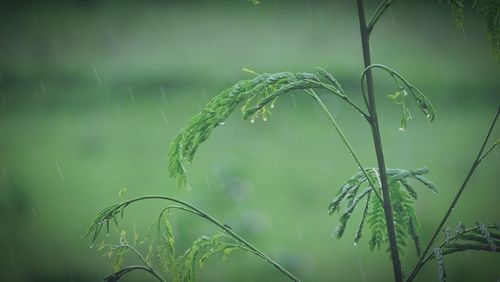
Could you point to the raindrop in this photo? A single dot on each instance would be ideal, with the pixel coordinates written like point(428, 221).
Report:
point(355, 244)
point(163, 95)
point(252, 120)
point(207, 182)
point(70, 274)
point(222, 123)
point(264, 118)
point(4, 174)
point(362, 269)
point(299, 232)
point(42, 85)
point(272, 105)
point(164, 117)
point(428, 116)
point(402, 129)
point(294, 102)
point(97, 75)
point(59, 170)
point(205, 98)
point(33, 211)
point(131, 94)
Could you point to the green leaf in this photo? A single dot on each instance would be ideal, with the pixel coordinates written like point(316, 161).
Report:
point(440, 264)
point(258, 96)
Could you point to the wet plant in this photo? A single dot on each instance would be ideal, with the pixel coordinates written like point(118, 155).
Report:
point(385, 195)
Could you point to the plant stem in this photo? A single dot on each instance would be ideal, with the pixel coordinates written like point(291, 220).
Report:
point(345, 141)
point(396, 263)
point(384, 5)
point(115, 276)
point(475, 164)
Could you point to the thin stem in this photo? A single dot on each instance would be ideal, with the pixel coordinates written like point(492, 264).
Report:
point(382, 7)
point(424, 103)
point(150, 269)
point(475, 164)
point(344, 140)
point(117, 275)
point(343, 97)
point(391, 232)
point(489, 150)
point(224, 227)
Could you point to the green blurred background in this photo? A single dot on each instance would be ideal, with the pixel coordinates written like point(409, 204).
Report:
point(92, 92)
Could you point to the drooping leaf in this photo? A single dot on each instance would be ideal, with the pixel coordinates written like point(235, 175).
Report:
point(257, 95)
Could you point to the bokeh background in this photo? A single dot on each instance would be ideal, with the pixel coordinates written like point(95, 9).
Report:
point(92, 92)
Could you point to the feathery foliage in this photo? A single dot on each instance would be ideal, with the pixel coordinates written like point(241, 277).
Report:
point(161, 243)
point(258, 96)
point(489, 10)
point(481, 237)
point(403, 194)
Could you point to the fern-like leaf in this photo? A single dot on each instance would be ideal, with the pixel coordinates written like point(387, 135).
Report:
point(489, 10)
point(438, 254)
point(482, 237)
point(257, 95)
point(403, 194)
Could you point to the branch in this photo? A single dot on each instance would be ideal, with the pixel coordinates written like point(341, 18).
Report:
point(383, 6)
point(344, 140)
point(475, 164)
point(115, 276)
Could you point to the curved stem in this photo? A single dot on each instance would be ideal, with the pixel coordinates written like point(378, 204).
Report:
point(344, 140)
point(423, 102)
point(377, 140)
point(383, 6)
point(117, 275)
point(489, 151)
point(475, 164)
point(224, 227)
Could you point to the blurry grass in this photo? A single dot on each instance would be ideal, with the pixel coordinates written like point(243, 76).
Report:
point(270, 180)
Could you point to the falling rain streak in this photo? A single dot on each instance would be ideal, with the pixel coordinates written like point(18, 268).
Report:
point(207, 182)
point(299, 231)
point(98, 77)
point(164, 116)
point(131, 94)
point(294, 102)
point(59, 170)
point(33, 211)
point(42, 86)
point(4, 174)
point(163, 95)
point(362, 270)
